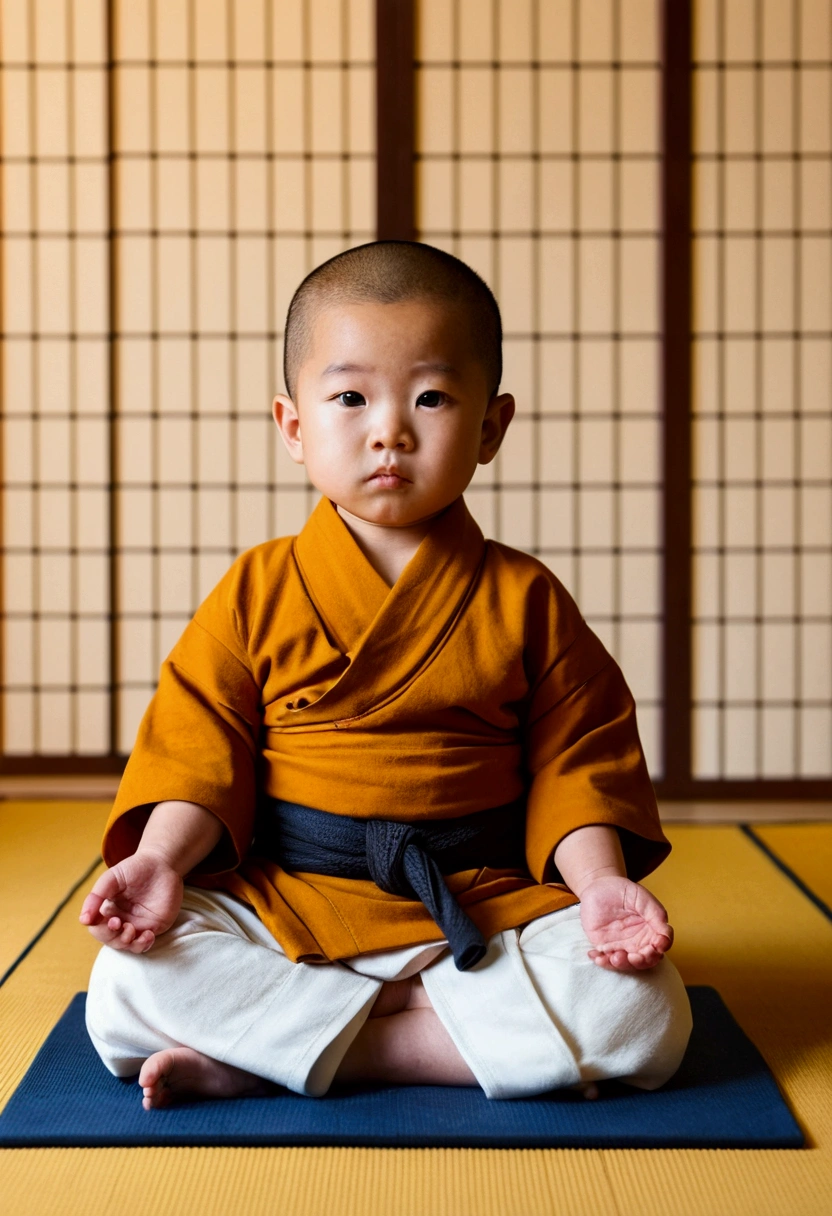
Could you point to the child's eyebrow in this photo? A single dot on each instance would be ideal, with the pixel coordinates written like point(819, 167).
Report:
point(335, 369)
point(439, 367)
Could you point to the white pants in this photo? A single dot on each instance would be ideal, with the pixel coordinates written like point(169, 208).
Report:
point(534, 1015)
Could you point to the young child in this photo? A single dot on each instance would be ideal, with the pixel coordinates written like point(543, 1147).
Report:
point(387, 809)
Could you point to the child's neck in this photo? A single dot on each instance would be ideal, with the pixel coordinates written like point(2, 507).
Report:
point(387, 548)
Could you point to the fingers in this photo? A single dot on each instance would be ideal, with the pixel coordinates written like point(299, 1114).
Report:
point(656, 916)
point(91, 908)
point(661, 939)
point(626, 961)
point(122, 935)
point(99, 912)
point(108, 885)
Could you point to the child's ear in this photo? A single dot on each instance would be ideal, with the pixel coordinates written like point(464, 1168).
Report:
point(498, 415)
point(285, 414)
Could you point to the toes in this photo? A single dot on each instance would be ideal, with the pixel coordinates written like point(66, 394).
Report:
point(155, 1069)
point(153, 1101)
point(149, 1074)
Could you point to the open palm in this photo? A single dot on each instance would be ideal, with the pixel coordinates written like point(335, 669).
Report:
point(625, 923)
point(132, 903)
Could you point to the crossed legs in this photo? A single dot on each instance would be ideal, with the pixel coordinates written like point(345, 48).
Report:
point(402, 1042)
point(216, 1009)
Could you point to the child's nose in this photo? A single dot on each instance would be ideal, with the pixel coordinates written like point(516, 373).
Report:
point(392, 430)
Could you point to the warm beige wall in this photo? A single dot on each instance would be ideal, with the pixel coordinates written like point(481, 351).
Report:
point(55, 396)
point(545, 178)
point(762, 388)
point(230, 185)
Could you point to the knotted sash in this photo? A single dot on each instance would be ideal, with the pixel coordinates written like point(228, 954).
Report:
point(401, 858)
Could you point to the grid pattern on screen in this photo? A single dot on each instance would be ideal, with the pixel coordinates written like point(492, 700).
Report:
point(763, 366)
point(240, 155)
point(55, 378)
point(538, 164)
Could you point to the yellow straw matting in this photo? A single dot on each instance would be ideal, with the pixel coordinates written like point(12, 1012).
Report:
point(741, 926)
point(806, 848)
point(45, 847)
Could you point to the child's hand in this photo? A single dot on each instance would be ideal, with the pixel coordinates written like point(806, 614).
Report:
point(626, 923)
point(135, 901)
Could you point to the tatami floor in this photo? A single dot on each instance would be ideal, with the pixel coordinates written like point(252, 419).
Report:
point(742, 924)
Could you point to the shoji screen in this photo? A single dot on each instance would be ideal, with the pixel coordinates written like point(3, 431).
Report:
point(245, 159)
point(198, 157)
point(538, 143)
point(55, 378)
point(763, 368)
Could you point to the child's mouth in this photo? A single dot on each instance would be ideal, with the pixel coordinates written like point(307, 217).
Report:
point(388, 479)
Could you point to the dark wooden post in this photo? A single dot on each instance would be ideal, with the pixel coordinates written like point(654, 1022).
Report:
point(395, 120)
point(113, 378)
point(676, 394)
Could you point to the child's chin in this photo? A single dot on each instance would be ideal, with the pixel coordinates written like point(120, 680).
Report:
point(386, 507)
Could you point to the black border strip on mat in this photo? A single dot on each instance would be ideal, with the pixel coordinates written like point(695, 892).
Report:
point(26, 950)
point(790, 874)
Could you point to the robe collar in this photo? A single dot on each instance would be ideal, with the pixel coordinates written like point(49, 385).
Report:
point(387, 634)
point(345, 588)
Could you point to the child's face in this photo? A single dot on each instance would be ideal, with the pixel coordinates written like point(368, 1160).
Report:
point(392, 386)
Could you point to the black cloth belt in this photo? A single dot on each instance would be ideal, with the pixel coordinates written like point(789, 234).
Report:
point(406, 859)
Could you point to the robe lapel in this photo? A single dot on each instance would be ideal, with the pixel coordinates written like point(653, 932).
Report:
point(390, 634)
point(346, 590)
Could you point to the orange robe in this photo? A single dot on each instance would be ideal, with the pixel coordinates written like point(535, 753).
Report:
point(472, 680)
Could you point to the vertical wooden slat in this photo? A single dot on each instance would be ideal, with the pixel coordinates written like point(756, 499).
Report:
point(395, 120)
point(676, 391)
point(3, 341)
point(112, 380)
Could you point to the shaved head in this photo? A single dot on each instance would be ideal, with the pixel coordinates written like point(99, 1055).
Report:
point(389, 272)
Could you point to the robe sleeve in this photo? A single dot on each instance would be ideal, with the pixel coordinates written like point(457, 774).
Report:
point(198, 740)
point(584, 756)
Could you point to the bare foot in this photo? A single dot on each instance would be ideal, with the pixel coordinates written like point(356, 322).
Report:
point(181, 1072)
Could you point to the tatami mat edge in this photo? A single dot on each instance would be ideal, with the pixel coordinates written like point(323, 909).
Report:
point(44, 847)
point(803, 851)
point(50, 920)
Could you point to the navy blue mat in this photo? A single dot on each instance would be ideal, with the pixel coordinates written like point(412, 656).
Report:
point(723, 1096)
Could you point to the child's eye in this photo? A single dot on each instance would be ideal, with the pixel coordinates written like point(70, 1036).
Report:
point(354, 398)
point(434, 397)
